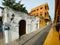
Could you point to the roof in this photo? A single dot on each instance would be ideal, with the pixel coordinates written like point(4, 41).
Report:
point(39, 6)
point(21, 13)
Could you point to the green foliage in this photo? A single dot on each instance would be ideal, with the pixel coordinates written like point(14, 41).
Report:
point(8, 2)
point(16, 6)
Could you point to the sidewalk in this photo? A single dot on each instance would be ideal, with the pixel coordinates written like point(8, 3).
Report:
point(23, 38)
point(52, 38)
point(26, 37)
point(1, 38)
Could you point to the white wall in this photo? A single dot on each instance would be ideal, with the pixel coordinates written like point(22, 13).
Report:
point(14, 24)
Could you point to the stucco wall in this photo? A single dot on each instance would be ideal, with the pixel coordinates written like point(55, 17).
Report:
point(32, 23)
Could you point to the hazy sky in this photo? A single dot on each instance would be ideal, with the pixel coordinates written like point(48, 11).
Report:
point(29, 4)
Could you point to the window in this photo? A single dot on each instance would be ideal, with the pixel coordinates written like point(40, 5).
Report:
point(46, 7)
point(13, 15)
point(40, 14)
point(37, 9)
point(11, 19)
point(41, 8)
point(58, 19)
point(45, 14)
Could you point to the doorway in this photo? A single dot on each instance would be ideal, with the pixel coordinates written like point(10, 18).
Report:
point(22, 27)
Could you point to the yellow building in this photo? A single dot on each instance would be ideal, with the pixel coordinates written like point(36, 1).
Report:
point(42, 12)
point(53, 37)
point(57, 14)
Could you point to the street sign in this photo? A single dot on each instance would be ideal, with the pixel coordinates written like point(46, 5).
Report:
point(6, 26)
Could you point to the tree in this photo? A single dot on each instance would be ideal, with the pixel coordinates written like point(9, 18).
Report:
point(16, 6)
point(8, 2)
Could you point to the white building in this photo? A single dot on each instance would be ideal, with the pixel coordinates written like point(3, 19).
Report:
point(16, 24)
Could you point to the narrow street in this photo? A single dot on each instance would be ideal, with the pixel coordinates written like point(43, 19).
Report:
point(39, 38)
point(32, 22)
point(34, 38)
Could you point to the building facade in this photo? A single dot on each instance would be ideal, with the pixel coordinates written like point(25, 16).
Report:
point(57, 15)
point(16, 24)
point(42, 12)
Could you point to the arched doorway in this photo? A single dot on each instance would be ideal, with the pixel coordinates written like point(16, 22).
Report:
point(22, 27)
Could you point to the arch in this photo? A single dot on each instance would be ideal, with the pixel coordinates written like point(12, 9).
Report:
point(22, 27)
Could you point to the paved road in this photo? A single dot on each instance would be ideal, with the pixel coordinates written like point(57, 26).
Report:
point(39, 38)
point(34, 38)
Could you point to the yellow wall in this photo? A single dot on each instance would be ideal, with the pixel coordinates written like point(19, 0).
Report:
point(37, 11)
point(42, 23)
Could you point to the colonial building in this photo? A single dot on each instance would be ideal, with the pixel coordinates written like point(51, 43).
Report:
point(16, 24)
point(42, 12)
point(57, 15)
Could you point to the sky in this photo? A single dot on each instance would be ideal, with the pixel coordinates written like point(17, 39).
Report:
point(29, 4)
